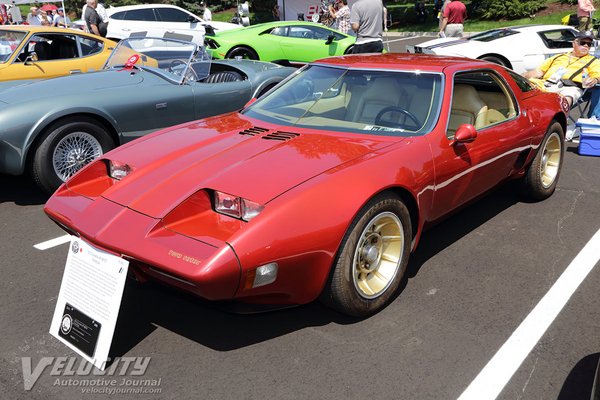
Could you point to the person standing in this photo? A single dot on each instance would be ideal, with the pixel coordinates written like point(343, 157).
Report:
point(454, 16)
point(206, 15)
point(60, 19)
point(366, 19)
point(33, 17)
point(92, 19)
point(342, 15)
point(276, 14)
point(585, 8)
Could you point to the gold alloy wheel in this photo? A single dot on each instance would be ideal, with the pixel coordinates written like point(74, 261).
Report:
point(551, 154)
point(378, 254)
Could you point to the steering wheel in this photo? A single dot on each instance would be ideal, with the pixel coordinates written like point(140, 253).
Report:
point(303, 91)
point(401, 110)
point(190, 74)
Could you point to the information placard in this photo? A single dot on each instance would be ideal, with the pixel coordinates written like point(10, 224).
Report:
point(88, 302)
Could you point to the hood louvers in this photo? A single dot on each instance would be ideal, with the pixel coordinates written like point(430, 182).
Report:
point(276, 135)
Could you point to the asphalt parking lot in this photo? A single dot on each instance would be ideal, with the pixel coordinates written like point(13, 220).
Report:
point(473, 280)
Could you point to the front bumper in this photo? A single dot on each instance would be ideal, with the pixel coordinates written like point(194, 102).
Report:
point(209, 271)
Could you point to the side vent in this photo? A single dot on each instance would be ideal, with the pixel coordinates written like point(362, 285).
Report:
point(255, 130)
point(279, 135)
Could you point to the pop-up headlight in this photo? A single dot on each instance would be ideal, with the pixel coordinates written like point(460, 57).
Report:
point(118, 170)
point(236, 207)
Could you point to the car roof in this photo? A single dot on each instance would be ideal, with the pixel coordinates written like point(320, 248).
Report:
point(401, 61)
point(113, 10)
point(49, 29)
point(537, 28)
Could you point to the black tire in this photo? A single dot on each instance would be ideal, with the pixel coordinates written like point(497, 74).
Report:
point(242, 51)
point(68, 136)
point(362, 280)
point(542, 175)
point(266, 89)
point(349, 50)
point(495, 60)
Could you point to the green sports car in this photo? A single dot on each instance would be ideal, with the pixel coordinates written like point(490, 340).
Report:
point(293, 41)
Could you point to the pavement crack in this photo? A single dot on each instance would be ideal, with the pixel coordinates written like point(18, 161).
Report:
point(528, 378)
point(569, 213)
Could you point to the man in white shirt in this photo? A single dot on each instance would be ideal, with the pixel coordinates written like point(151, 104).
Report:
point(33, 18)
point(60, 19)
point(207, 15)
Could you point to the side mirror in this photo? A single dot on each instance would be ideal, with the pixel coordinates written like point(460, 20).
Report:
point(28, 60)
point(465, 133)
point(330, 39)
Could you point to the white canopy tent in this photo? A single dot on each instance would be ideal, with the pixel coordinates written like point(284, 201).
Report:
point(290, 9)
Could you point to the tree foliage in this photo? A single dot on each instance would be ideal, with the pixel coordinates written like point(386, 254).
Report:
point(506, 9)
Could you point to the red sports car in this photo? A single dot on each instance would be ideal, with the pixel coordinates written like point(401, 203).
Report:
point(322, 188)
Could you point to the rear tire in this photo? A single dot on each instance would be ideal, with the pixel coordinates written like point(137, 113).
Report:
point(242, 51)
point(66, 147)
point(372, 258)
point(541, 177)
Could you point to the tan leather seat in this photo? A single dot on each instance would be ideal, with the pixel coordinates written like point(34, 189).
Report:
point(382, 93)
point(467, 108)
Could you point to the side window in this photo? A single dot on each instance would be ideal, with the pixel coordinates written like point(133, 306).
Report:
point(323, 34)
point(558, 39)
point(144, 14)
point(172, 15)
point(523, 83)
point(119, 15)
point(279, 31)
point(481, 99)
point(90, 46)
point(300, 32)
point(49, 47)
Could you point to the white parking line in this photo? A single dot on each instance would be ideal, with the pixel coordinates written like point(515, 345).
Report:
point(498, 371)
point(53, 242)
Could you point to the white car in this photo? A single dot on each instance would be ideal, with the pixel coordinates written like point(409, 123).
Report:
point(519, 47)
point(160, 20)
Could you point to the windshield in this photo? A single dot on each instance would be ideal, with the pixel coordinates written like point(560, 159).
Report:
point(9, 41)
point(169, 58)
point(393, 103)
point(488, 36)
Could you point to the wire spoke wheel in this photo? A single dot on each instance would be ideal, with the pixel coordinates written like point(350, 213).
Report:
point(74, 151)
point(377, 255)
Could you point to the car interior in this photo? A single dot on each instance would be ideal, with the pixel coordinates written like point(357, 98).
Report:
point(49, 47)
point(479, 99)
point(219, 73)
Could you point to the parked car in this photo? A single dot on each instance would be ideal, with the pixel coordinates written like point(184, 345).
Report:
point(519, 47)
point(160, 20)
point(56, 126)
point(293, 41)
point(323, 187)
point(34, 52)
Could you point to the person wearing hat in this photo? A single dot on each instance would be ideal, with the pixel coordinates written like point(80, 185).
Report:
point(568, 74)
point(60, 19)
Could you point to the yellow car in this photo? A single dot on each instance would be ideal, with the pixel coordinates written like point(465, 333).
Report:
point(33, 52)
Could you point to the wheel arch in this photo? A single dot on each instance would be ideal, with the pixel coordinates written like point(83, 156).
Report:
point(42, 129)
point(499, 56)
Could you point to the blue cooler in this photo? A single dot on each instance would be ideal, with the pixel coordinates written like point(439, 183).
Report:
point(589, 142)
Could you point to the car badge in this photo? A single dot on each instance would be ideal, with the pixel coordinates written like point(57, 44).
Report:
point(131, 61)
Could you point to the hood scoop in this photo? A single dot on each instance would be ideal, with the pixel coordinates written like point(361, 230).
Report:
point(274, 135)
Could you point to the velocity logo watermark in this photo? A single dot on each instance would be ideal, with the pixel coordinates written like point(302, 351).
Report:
point(117, 378)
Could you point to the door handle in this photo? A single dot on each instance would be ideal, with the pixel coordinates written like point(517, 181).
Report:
point(75, 71)
point(125, 29)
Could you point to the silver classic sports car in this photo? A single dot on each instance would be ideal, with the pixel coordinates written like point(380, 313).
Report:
point(53, 127)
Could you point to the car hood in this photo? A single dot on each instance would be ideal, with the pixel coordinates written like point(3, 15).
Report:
point(233, 154)
point(442, 44)
point(13, 92)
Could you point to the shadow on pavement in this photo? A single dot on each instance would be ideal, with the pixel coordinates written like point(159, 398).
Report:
point(580, 380)
point(146, 306)
point(20, 190)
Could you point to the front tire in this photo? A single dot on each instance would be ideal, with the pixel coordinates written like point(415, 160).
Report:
point(68, 146)
point(372, 258)
point(242, 51)
point(541, 177)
